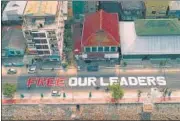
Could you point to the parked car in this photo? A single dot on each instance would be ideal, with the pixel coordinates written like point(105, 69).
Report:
point(55, 93)
point(93, 68)
point(19, 64)
point(32, 70)
point(11, 71)
point(7, 64)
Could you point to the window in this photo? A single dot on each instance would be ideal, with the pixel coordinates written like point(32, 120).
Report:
point(41, 46)
point(38, 34)
point(87, 49)
point(113, 49)
point(106, 49)
point(100, 49)
point(153, 12)
point(43, 41)
point(18, 52)
point(40, 40)
point(94, 49)
point(40, 52)
point(46, 52)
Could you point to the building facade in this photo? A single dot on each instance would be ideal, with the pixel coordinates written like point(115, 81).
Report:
point(43, 29)
point(132, 10)
point(100, 36)
point(156, 9)
point(174, 9)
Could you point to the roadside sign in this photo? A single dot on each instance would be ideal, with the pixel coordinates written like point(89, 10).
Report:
point(147, 107)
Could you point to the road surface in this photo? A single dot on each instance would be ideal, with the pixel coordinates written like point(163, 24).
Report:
point(172, 79)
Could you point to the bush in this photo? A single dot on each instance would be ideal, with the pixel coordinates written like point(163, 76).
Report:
point(116, 91)
point(9, 90)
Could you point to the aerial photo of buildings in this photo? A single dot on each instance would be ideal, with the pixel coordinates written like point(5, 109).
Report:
point(90, 60)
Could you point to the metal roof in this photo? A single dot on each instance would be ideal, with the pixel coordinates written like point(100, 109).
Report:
point(145, 27)
point(174, 5)
point(130, 5)
point(41, 8)
point(131, 44)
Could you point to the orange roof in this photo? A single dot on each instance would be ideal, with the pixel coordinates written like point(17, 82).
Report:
point(101, 29)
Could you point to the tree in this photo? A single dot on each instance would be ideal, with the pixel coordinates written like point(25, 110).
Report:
point(165, 92)
point(116, 91)
point(169, 94)
point(139, 92)
point(90, 95)
point(64, 95)
point(22, 96)
point(42, 95)
point(124, 64)
point(9, 90)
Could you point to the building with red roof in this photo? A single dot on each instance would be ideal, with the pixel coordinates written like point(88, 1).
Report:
point(100, 36)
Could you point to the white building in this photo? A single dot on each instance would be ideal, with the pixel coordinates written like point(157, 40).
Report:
point(157, 46)
point(43, 28)
point(14, 11)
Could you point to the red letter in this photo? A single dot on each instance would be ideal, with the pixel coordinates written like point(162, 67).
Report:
point(40, 82)
point(31, 81)
point(60, 82)
point(49, 82)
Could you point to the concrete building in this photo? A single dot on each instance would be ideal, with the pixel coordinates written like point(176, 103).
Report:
point(156, 8)
point(13, 42)
point(110, 7)
point(132, 10)
point(150, 39)
point(174, 9)
point(100, 37)
point(43, 28)
point(14, 11)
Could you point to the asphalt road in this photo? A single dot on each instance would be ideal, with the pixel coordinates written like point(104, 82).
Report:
point(172, 80)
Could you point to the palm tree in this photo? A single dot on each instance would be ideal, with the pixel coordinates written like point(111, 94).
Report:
point(90, 95)
point(22, 96)
point(165, 92)
point(139, 94)
point(169, 94)
point(42, 95)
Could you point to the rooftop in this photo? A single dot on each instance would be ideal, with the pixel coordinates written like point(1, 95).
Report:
point(147, 27)
point(100, 31)
point(131, 44)
point(16, 6)
point(132, 5)
point(174, 5)
point(13, 38)
point(41, 8)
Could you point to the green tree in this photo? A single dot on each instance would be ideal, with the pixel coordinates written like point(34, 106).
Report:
point(64, 95)
point(90, 95)
point(124, 64)
point(42, 95)
point(169, 93)
point(116, 91)
point(22, 96)
point(139, 92)
point(165, 92)
point(9, 90)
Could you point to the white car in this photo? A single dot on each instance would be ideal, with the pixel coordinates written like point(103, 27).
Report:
point(32, 70)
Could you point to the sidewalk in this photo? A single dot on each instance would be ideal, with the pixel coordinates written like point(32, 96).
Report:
point(98, 97)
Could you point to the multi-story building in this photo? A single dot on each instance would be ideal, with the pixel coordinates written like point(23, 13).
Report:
point(43, 28)
point(100, 37)
point(80, 8)
point(110, 7)
point(132, 10)
point(174, 9)
point(156, 9)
